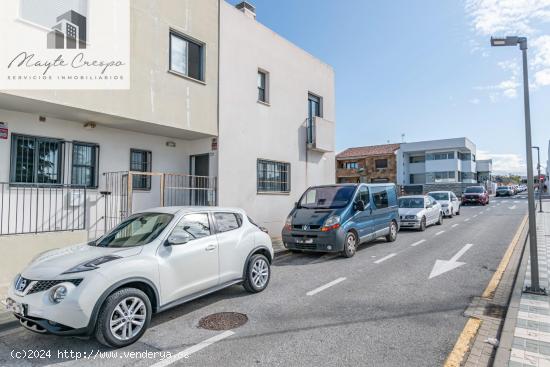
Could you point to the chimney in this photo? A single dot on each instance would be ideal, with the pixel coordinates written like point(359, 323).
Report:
point(248, 9)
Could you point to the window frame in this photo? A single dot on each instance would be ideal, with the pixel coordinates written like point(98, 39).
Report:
point(265, 89)
point(351, 165)
point(37, 139)
point(149, 162)
point(95, 146)
point(381, 160)
point(275, 192)
point(202, 54)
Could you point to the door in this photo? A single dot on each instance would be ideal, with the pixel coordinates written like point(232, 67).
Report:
point(429, 211)
point(435, 209)
point(191, 264)
point(382, 212)
point(454, 202)
point(200, 170)
point(364, 220)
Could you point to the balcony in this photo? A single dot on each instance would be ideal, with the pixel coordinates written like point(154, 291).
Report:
point(349, 172)
point(320, 135)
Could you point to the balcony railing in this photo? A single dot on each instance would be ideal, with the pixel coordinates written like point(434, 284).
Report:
point(349, 172)
point(320, 135)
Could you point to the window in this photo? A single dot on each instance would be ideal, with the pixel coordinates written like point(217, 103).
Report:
point(227, 221)
point(263, 83)
point(417, 159)
point(35, 160)
point(314, 110)
point(191, 227)
point(444, 176)
point(85, 164)
point(467, 157)
point(273, 176)
point(440, 156)
point(140, 161)
point(363, 195)
point(139, 229)
point(186, 56)
point(381, 163)
point(351, 165)
point(418, 178)
point(467, 176)
point(380, 197)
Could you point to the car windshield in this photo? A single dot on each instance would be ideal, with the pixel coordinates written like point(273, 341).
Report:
point(327, 197)
point(411, 203)
point(440, 195)
point(502, 188)
point(475, 190)
point(139, 229)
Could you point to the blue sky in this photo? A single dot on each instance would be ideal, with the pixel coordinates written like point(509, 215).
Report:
point(425, 69)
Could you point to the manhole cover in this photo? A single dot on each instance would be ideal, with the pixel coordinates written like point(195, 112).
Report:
point(223, 321)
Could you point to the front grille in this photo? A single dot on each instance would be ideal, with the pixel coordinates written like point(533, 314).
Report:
point(301, 226)
point(44, 285)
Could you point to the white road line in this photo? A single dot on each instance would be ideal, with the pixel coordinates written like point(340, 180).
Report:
point(475, 216)
point(512, 207)
point(195, 348)
point(440, 232)
point(323, 287)
point(454, 225)
point(385, 258)
point(467, 219)
point(418, 243)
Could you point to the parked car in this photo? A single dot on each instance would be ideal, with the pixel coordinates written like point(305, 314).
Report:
point(419, 211)
point(504, 191)
point(152, 261)
point(475, 195)
point(338, 218)
point(449, 202)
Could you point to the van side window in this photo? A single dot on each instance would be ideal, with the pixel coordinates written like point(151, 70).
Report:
point(227, 221)
point(380, 197)
point(363, 194)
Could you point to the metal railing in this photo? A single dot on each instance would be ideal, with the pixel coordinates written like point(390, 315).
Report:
point(39, 208)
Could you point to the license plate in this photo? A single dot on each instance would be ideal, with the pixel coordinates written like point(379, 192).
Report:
point(305, 241)
point(15, 307)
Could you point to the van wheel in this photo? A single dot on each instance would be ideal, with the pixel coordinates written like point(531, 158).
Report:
point(440, 220)
point(350, 245)
point(124, 317)
point(258, 274)
point(422, 224)
point(392, 236)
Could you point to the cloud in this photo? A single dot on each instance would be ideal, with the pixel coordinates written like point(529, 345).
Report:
point(474, 101)
point(504, 163)
point(542, 78)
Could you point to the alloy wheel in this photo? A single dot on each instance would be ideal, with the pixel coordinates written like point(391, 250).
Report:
point(351, 243)
point(260, 273)
point(128, 318)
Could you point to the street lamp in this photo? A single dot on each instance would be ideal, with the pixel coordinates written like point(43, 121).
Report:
point(540, 183)
point(522, 42)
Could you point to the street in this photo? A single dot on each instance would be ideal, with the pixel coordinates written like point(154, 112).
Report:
point(387, 306)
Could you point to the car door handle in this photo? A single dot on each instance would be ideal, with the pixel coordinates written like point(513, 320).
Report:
point(210, 247)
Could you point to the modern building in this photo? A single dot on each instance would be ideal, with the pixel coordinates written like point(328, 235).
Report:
point(374, 164)
point(254, 131)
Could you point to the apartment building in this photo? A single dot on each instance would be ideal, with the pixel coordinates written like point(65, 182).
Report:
point(373, 164)
point(253, 130)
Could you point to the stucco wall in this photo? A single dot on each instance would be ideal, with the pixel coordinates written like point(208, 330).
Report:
point(250, 130)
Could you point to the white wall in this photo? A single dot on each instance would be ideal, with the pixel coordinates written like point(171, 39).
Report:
point(250, 130)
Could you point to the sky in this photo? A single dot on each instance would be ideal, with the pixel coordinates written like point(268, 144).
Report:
point(426, 69)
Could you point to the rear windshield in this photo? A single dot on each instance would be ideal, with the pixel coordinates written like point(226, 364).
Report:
point(503, 188)
point(440, 195)
point(327, 197)
point(476, 190)
point(411, 202)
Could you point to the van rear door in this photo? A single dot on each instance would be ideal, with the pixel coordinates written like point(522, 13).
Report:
point(363, 220)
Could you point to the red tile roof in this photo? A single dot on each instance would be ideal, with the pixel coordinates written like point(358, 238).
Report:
point(368, 151)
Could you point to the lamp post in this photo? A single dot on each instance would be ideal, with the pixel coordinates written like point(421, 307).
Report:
point(522, 42)
point(540, 183)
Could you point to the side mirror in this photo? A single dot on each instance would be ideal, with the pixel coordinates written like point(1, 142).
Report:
point(359, 205)
point(175, 240)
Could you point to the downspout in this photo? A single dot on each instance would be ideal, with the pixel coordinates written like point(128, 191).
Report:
point(217, 179)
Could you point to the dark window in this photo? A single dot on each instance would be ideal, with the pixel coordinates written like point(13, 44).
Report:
point(192, 227)
point(227, 221)
point(35, 160)
point(380, 197)
point(140, 161)
point(381, 163)
point(262, 86)
point(273, 176)
point(85, 164)
point(417, 159)
point(314, 110)
point(186, 56)
point(440, 156)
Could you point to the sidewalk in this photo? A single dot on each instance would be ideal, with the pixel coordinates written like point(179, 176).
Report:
point(525, 338)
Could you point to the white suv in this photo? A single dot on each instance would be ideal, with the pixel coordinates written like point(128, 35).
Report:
point(152, 261)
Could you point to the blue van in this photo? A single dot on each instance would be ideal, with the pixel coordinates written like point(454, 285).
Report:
point(338, 218)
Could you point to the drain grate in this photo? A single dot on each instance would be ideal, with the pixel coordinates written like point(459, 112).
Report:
point(223, 321)
point(495, 311)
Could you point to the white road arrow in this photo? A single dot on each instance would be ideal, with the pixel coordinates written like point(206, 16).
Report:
point(443, 266)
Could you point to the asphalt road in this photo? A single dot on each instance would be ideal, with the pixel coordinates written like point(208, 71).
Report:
point(379, 308)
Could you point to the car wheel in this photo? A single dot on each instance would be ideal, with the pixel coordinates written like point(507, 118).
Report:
point(350, 245)
point(392, 236)
point(422, 224)
point(258, 274)
point(440, 220)
point(123, 318)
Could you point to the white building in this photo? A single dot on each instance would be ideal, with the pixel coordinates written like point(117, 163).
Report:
point(438, 162)
point(236, 133)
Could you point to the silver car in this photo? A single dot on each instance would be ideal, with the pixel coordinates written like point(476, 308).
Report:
point(419, 211)
point(449, 202)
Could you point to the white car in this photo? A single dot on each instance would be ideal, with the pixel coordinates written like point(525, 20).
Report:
point(152, 261)
point(419, 211)
point(449, 202)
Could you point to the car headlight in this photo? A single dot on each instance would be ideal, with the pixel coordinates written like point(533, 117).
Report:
point(332, 220)
point(91, 265)
point(288, 223)
point(410, 217)
point(58, 293)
